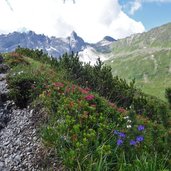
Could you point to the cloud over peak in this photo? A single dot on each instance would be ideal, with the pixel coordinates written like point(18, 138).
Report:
point(91, 19)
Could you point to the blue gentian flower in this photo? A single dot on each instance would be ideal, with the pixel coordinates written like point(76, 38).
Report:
point(119, 142)
point(122, 135)
point(116, 132)
point(141, 127)
point(132, 142)
point(140, 138)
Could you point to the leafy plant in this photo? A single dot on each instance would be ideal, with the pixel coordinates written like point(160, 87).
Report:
point(119, 131)
point(14, 59)
point(168, 95)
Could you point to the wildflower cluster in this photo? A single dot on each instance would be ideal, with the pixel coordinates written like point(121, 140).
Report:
point(18, 73)
point(122, 136)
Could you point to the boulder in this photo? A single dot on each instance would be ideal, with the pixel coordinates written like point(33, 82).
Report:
point(3, 68)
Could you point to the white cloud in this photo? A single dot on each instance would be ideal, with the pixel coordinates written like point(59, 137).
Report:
point(91, 19)
point(137, 4)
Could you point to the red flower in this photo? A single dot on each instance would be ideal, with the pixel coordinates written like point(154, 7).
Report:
point(87, 89)
point(73, 88)
point(121, 110)
point(47, 86)
point(67, 90)
point(89, 97)
point(83, 91)
point(113, 105)
point(58, 84)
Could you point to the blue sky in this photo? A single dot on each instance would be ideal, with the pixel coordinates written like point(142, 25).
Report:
point(151, 13)
point(90, 19)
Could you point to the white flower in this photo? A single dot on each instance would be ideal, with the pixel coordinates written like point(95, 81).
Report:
point(128, 126)
point(129, 121)
point(126, 117)
point(20, 72)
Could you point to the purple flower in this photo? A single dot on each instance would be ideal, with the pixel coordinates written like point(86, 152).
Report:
point(132, 142)
point(140, 138)
point(119, 142)
point(122, 135)
point(141, 127)
point(116, 132)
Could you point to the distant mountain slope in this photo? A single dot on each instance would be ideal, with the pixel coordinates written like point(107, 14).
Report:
point(145, 57)
point(57, 46)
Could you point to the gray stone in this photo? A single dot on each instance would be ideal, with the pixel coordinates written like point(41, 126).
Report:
point(17, 159)
point(3, 68)
point(2, 164)
point(1, 59)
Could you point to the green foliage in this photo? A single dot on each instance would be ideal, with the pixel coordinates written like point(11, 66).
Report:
point(99, 78)
point(85, 130)
point(149, 65)
point(26, 83)
point(13, 59)
point(168, 95)
point(35, 54)
point(153, 108)
point(145, 162)
point(89, 132)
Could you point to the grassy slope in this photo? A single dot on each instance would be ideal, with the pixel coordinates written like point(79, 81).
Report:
point(81, 130)
point(145, 57)
point(151, 71)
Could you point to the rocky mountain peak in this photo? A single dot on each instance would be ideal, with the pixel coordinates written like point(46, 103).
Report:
point(73, 35)
point(108, 38)
point(76, 43)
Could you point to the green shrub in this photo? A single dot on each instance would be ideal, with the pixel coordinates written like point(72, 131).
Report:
point(168, 95)
point(155, 109)
point(13, 59)
point(89, 132)
point(26, 84)
point(99, 78)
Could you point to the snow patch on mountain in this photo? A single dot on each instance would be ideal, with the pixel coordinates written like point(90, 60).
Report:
point(56, 47)
point(90, 55)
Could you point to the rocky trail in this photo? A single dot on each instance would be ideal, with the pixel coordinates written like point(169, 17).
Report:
point(19, 143)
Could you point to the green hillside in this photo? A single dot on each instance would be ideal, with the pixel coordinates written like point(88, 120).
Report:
point(88, 119)
point(145, 57)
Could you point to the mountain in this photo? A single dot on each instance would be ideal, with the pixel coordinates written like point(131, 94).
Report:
point(100, 50)
point(145, 57)
point(57, 46)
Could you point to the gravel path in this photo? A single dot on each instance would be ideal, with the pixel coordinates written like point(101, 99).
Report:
point(19, 143)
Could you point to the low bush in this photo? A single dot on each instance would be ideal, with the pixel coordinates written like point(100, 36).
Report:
point(168, 95)
point(153, 108)
point(13, 59)
point(91, 133)
point(26, 84)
